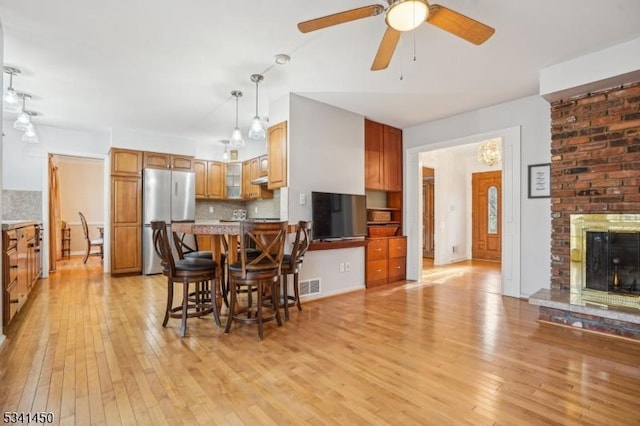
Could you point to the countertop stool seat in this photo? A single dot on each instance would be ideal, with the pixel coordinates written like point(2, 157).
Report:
point(257, 272)
point(187, 252)
point(291, 264)
point(199, 272)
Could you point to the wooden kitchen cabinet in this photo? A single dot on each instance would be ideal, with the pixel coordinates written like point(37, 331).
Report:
point(277, 156)
point(22, 267)
point(383, 156)
point(385, 260)
point(253, 169)
point(233, 181)
point(125, 162)
point(126, 214)
point(209, 179)
point(158, 160)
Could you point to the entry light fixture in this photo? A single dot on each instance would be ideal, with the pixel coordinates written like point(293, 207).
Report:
point(11, 100)
point(236, 140)
point(24, 118)
point(256, 132)
point(405, 15)
point(490, 152)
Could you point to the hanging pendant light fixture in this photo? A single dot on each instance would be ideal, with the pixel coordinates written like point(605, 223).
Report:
point(24, 118)
point(236, 140)
point(490, 152)
point(225, 154)
point(30, 135)
point(257, 130)
point(11, 100)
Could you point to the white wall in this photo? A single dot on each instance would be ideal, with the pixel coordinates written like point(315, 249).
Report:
point(326, 151)
point(1, 174)
point(533, 116)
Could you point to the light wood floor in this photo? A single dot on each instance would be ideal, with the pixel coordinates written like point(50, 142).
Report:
point(449, 350)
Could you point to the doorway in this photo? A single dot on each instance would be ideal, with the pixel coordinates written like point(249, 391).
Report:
point(78, 188)
point(486, 214)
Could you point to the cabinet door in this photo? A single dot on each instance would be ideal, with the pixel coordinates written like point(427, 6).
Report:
point(126, 249)
point(377, 248)
point(264, 166)
point(373, 148)
point(246, 180)
point(377, 272)
point(156, 160)
point(233, 180)
point(125, 162)
point(215, 174)
point(392, 159)
point(126, 201)
point(181, 162)
point(200, 168)
point(397, 269)
point(277, 155)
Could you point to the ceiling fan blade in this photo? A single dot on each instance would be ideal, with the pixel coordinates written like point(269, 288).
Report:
point(340, 18)
point(458, 24)
point(385, 51)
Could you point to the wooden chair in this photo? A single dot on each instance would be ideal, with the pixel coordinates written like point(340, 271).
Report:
point(187, 252)
point(98, 242)
point(253, 272)
point(201, 272)
point(291, 264)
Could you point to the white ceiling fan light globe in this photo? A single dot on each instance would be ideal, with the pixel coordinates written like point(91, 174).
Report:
point(406, 15)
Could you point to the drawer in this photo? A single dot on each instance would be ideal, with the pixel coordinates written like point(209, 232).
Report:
point(377, 249)
point(398, 247)
point(377, 270)
point(397, 269)
point(10, 239)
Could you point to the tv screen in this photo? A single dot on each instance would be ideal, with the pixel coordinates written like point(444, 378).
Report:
point(337, 216)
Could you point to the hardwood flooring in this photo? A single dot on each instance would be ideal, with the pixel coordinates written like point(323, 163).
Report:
point(447, 350)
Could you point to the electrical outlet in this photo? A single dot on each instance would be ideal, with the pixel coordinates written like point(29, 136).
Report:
point(347, 266)
point(210, 209)
point(303, 199)
point(341, 266)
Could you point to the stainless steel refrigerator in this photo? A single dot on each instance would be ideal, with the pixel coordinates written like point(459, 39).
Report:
point(166, 195)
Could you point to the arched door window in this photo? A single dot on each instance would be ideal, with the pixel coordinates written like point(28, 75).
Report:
point(492, 225)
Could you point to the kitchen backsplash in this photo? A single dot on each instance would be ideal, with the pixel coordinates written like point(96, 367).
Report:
point(21, 205)
point(223, 209)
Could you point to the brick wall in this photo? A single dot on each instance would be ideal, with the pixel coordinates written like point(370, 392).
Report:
point(595, 163)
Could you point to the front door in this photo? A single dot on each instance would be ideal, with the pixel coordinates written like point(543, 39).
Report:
point(486, 215)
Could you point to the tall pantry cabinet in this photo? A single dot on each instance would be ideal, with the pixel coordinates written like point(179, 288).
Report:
point(126, 211)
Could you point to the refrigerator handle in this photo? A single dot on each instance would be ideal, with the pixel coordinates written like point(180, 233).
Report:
point(176, 189)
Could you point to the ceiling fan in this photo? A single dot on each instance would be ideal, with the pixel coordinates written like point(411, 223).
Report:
point(401, 16)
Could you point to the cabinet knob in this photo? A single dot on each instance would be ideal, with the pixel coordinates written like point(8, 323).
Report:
point(15, 301)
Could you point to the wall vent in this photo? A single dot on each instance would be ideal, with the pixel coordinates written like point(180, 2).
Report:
point(310, 287)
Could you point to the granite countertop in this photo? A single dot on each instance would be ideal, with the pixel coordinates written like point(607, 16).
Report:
point(8, 225)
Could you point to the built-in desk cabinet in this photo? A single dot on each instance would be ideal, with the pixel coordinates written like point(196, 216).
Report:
point(22, 267)
point(386, 259)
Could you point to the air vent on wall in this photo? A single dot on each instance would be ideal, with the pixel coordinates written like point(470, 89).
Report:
point(310, 287)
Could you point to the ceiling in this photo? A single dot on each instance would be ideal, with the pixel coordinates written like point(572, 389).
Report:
point(169, 66)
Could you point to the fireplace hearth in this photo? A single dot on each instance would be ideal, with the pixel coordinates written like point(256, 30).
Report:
point(605, 259)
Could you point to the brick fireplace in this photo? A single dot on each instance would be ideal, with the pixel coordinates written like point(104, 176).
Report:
point(595, 169)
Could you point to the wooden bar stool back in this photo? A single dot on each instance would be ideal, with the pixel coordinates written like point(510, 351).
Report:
point(201, 272)
point(257, 271)
point(292, 263)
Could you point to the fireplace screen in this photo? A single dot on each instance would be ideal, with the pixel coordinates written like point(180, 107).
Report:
point(613, 262)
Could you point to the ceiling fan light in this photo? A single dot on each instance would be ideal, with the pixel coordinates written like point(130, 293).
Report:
point(405, 15)
point(256, 132)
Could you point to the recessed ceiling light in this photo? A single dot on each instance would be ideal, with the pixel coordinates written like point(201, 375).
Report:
point(282, 58)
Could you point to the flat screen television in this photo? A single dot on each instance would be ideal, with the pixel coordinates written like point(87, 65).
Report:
point(338, 216)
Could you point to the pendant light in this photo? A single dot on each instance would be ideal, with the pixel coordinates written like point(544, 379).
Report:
point(490, 152)
point(257, 130)
point(225, 154)
point(236, 140)
point(30, 135)
point(24, 118)
point(11, 100)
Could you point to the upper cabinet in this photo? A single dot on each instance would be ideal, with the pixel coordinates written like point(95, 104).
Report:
point(383, 156)
point(233, 181)
point(125, 162)
point(209, 179)
point(253, 169)
point(157, 160)
point(277, 155)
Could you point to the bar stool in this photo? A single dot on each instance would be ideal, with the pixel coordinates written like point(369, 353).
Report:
point(291, 264)
point(185, 271)
point(251, 273)
point(187, 252)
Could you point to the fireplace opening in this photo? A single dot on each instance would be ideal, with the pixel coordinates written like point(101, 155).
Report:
point(613, 262)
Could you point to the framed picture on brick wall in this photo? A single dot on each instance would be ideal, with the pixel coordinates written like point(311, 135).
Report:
point(540, 180)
